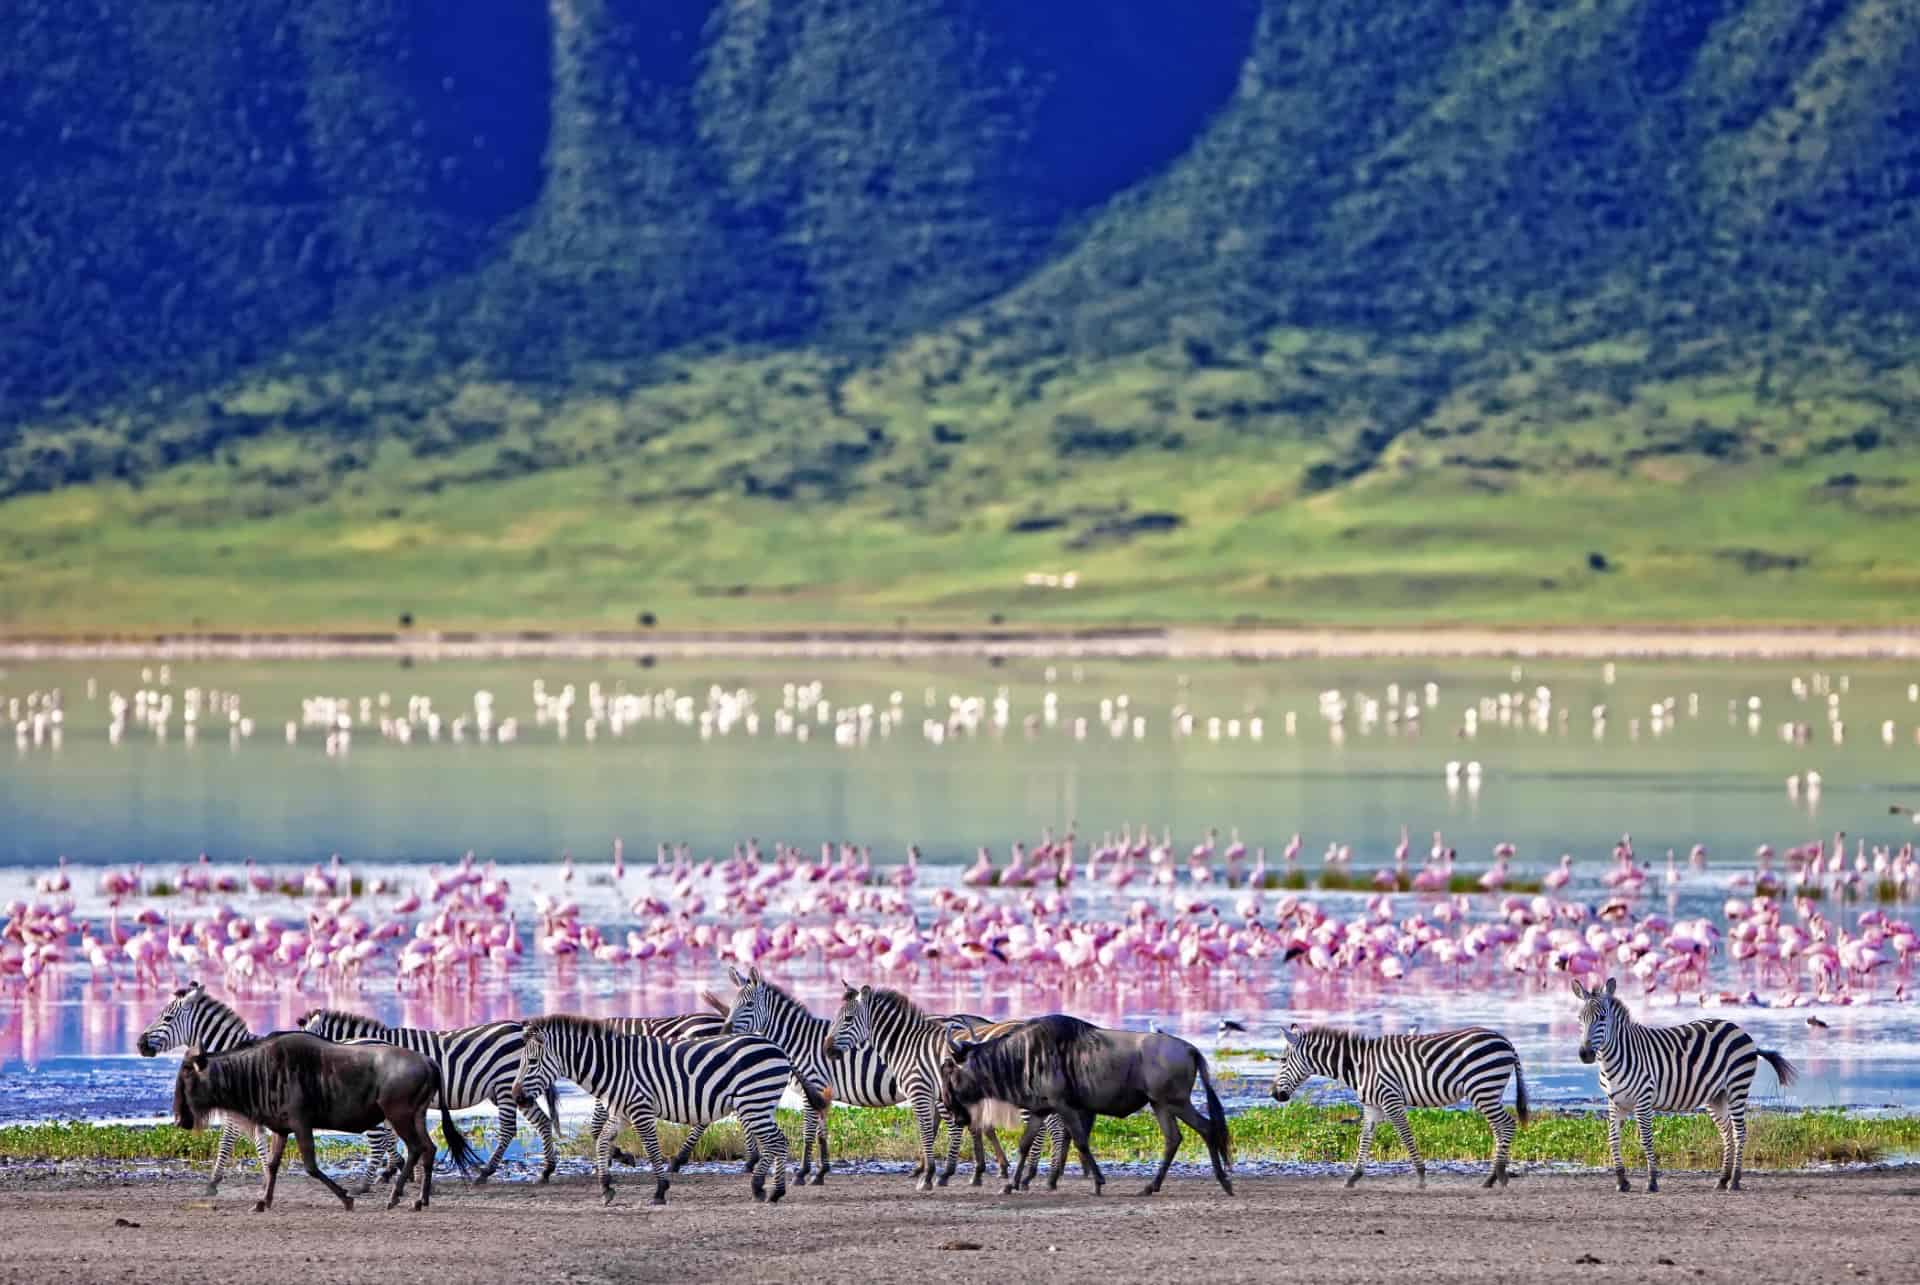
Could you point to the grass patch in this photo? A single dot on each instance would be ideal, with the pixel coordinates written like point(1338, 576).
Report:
point(1341, 880)
point(1298, 1132)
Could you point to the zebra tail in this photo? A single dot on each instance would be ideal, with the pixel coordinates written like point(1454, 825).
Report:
point(1519, 1093)
point(1786, 1070)
point(553, 1107)
point(1216, 1113)
point(818, 1096)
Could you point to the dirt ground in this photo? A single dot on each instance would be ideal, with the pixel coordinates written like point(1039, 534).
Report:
point(1548, 1227)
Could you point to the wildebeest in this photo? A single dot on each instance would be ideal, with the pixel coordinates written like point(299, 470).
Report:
point(295, 1083)
point(1060, 1065)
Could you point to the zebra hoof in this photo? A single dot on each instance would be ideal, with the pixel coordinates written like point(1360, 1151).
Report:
point(818, 1180)
point(941, 1181)
point(259, 1206)
point(1735, 1184)
point(774, 1197)
point(1007, 1189)
point(925, 1184)
point(607, 1197)
point(1148, 1190)
point(348, 1202)
point(1653, 1185)
point(480, 1179)
point(419, 1204)
point(546, 1176)
point(619, 1157)
point(975, 1181)
point(1353, 1180)
point(1491, 1180)
point(213, 1189)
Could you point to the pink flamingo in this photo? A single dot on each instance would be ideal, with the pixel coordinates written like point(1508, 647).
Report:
point(1556, 879)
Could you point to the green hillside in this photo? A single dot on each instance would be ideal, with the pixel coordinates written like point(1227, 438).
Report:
point(863, 310)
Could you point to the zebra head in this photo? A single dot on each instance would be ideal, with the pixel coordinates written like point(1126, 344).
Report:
point(536, 1065)
point(1601, 1016)
point(179, 1022)
point(1296, 1067)
point(853, 1024)
point(747, 1015)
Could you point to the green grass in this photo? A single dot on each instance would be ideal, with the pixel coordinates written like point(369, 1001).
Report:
point(1298, 1132)
point(735, 491)
point(1336, 880)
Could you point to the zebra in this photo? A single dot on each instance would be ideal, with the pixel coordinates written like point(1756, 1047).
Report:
point(1706, 1065)
point(1390, 1073)
point(911, 1043)
point(477, 1064)
point(643, 1080)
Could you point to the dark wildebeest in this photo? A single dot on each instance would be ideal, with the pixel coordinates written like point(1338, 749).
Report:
point(295, 1083)
point(1059, 1065)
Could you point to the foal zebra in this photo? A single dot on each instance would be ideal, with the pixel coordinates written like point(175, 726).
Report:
point(1707, 1065)
point(911, 1042)
point(1390, 1073)
point(477, 1064)
point(193, 1018)
point(643, 1080)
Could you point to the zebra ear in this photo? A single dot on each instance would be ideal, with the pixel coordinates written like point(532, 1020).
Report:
point(1611, 983)
point(1294, 1029)
point(753, 972)
point(1579, 991)
point(734, 973)
point(851, 991)
point(866, 992)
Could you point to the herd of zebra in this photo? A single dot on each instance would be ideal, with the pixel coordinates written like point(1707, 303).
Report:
point(880, 1049)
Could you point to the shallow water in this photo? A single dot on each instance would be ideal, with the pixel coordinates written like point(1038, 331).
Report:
point(1547, 785)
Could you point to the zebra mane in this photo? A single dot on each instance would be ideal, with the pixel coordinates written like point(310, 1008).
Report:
point(207, 1008)
point(569, 1024)
point(1320, 1044)
point(892, 1001)
point(341, 1017)
point(784, 1001)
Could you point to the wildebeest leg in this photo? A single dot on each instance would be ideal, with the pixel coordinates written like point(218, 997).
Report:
point(981, 1138)
point(1020, 1156)
point(1170, 1135)
point(270, 1161)
point(1186, 1112)
point(419, 1143)
point(1080, 1129)
point(304, 1137)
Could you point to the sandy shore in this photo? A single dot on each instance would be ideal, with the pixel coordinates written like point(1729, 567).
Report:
point(1800, 1227)
point(1119, 643)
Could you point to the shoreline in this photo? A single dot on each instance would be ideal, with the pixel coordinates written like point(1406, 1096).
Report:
point(1117, 643)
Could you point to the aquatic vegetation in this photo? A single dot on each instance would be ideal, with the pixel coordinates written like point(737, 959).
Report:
point(1299, 1133)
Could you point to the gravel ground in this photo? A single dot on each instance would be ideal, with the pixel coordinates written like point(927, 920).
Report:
point(73, 1225)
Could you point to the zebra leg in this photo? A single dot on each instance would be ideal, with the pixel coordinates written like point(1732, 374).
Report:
point(926, 1116)
point(954, 1133)
point(1373, 1116)
point(1502, 1124)
point(1643, 1116)
point(509, 1125)
point(1723, 1126)
point(809, 1126)
point(646, 1124)
point(1737, 1118)
point(305, 1138)
point(773, 1154)
point(819, 1179)
point(371, 1168)
point(270, 1161)
point(1057, 1162)
point(549, 1142)
point(597, 1122)
point(1397, 1115)
point(1614, 1120)
point(685, 1153)
point(223, 1154)
point(1169, 1134)
point(390, 1157)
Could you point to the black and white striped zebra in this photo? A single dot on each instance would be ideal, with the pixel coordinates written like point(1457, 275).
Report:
point(644, 1080)
point(911, 1043)
point(1699, 1066)
point(477, 1065)
point(193, 1018)
point(1390, 1073)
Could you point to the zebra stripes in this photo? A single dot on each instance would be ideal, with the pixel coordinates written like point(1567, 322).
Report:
point(1390, 1073)
point(680, 1026)
point(477, 1064)
point(1700, 1066)
point(644, 1080)
point(195, 1019)
point(911, 1042)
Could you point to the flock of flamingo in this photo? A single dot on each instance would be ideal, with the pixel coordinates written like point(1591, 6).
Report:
point(1798, 936)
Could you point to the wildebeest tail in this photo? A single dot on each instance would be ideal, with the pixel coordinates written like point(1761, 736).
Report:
point(1786, 1070)
point(1222, 1137)
point(1519, 1091)
point(818, 1096)
point(457, 1146)
point(715, 1003)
